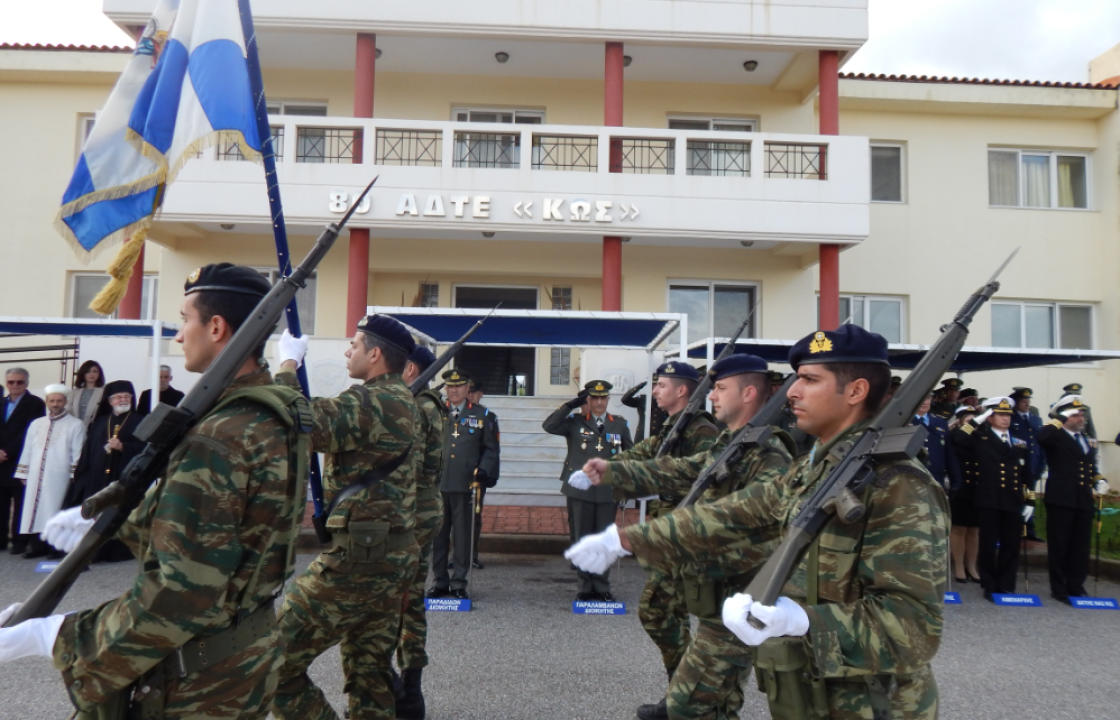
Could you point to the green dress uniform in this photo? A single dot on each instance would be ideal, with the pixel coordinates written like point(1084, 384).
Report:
point(707, 682)
point(592, 510)
point(662, 609)
point(351, 593)
point(470, 454)
point(491, 480)
point(411, 651)
point(873, 594)
point(215, 537)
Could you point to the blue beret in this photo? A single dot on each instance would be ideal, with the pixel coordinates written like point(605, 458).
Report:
point(678, 370)
point(737, 364)
point(227, 277)
point(846, 344)
point(390, 330)
point(422, 357)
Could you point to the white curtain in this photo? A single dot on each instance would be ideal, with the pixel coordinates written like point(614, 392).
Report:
point(1036, 180)
point(1003, 177)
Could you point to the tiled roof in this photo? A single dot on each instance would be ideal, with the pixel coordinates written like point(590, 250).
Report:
point(65, 48)
point(1108, 84)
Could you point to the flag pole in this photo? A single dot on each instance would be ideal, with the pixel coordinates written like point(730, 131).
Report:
point(279, 229)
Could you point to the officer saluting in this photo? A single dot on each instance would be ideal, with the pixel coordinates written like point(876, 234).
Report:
point(590, 434)
point(470, 457)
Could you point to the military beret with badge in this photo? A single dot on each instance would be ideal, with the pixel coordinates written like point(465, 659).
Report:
point(227, 277)
point(678, 370)
point(388, 330)
point(737, 364)
point(846, 344)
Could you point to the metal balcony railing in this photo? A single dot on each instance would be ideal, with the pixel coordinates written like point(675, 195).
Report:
point(565, 152)
point(487, 149)
point(646, 155)
point(725, 158)
point(229, 151)
point(414, 148)
point(326, 144)
point(795, 160)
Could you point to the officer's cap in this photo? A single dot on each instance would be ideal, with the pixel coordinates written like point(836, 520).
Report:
point(598, 388)
point(1068, 405)
point(737, 364)
point(999, 405)
point(964, 409)
point(454, 378)
point(390, 330)
point(846, 344)
point(227, 277)
point(952, 383)
point(969, 392)
point(1018, 393)
point(422, 357)
point(1074, 388)
point(475, 387)
point(775, 377)
point(678, 370)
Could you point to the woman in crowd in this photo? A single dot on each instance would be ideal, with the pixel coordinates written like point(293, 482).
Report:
point(89, 382)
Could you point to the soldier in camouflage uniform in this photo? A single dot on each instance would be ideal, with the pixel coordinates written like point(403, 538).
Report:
point(707, 682)
point(351, 593)
point(215, 537)
point(411, 655)
point(862, 619)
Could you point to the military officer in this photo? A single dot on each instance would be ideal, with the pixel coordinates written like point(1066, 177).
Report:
point(1001, 471)
point(947, 398)
point(595, 433)
point(470, 460)
point(862, 615)
point(964, 539)
point(1076, 388)
point(351, 593)
point(1072, 480)
point(195, 634)
point(412, 656)
point(938, 457)
point(706, 682)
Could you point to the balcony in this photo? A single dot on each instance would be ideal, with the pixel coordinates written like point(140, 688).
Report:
point(680, 187)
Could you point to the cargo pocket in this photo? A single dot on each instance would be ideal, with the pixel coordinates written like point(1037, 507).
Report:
point(839, 555)
point(367, 542)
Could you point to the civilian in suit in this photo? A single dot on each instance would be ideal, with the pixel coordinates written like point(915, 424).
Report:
point(1072, 459)
point(20, 407)
point(1001, 463)
point(167, 394)
point(89, 384)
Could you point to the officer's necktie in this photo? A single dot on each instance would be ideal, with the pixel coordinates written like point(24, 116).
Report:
point(454, 413)
point(1084, 445)
point(600, 424)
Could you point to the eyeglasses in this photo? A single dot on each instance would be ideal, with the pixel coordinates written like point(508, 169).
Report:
point(16, 382)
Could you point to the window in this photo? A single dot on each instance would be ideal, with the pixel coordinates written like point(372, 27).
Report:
point(560, 361)
point(714, 309)
point(1030, 324)
point(305, 302)
point(1038, 179)
point(491, 150)
point(886, 173)
point(877, 313)
point(85, 286)
point(717, 157)
point(85, 126)
point(429, 294)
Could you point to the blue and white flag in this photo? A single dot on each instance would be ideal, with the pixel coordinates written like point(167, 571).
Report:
point(185, 88)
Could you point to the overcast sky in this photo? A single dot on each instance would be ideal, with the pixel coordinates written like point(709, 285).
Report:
point(1011, 39)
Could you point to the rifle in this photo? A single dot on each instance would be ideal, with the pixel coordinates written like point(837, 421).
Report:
point(166, 425)
point(757, 431)
point(425, 377)
point(673, 437)
point(889, 436)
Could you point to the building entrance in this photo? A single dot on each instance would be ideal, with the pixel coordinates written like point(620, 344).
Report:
point(499, 370)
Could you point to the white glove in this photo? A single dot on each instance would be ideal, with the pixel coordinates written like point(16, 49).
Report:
point(66, 529)
point(290, 347)
point(1101, 487)
point(34, 637)
point(1028, 513)
point(579, 480)
point(785, 617)
point(595, 553)
point(979, 419)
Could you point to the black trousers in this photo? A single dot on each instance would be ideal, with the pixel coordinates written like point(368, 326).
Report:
point(11, 501)
point(586, 518)
point(478, 519)
point(1068, 540)
point(454, 536)
point(998, 565)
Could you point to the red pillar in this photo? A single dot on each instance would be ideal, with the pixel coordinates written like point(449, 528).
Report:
point(129, 308)
point(357, 275)
point(829, 80)
point(612, 117)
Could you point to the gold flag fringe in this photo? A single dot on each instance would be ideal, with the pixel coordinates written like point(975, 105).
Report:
point(120, 270)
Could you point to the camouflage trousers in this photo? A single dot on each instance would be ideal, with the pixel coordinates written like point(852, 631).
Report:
point(358, 608)
point(914, 698)
point(708, 682)
point(664, 617)
point(413, 634)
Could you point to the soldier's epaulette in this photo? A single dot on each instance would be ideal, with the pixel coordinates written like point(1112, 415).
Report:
point(968, 428)
point(1055, 422)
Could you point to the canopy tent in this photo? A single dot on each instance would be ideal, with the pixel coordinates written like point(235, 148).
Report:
point(905, 356)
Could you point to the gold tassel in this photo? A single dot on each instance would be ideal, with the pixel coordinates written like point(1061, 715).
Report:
point(120, 270)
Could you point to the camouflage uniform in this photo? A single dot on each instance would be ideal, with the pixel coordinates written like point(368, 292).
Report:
point(351, 593)
point(661, 608)
point(214, 537)
point(879, 583)
point(429, 513)
point(707, 683)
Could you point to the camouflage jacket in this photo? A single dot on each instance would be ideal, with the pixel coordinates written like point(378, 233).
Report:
point(881, 582)
point(696, 437)
point(228, 507)
point(432, 422)
point(364, 427)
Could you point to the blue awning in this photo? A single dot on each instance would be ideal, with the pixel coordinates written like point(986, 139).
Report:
point(906, 356)
point(68, 326)
point(540, 328)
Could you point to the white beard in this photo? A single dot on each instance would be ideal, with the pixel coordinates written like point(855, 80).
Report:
point(121, 409)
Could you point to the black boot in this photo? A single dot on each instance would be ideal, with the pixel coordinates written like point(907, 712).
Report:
point(410, 703)
point(653, 712)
